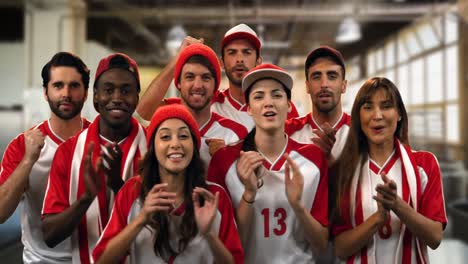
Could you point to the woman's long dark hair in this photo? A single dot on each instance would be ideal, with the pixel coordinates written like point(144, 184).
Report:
point(194, 177)
point(356, 146)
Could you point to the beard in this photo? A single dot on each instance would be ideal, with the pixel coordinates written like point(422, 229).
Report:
point(233, 79)
point(197, 107)
point(65, 115)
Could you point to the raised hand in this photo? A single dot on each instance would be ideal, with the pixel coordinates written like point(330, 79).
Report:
point(33, 143)
point(388, 193)
point(204, 215)
point(214, 144)
point(188, 40)
point(248, 162)
point(158, 200)
point(112, 160)
point(92, 180)
point(294, 182)
point(325, 138)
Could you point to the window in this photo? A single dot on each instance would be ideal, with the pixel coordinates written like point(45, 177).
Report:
point(416, 89)
point(451, 70)
point(370, 63)
point(427, 35)
point(390, 54)
point(452, 127)
point(402, 83)
point(434, 78)
point(451, 28)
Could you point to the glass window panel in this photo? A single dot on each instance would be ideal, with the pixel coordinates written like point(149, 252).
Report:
point(453, 125)
point(370, 63)
point(451, 28)
point(427, 36)
point(416, 124)
point(379, 59)
point(434, 78)
point(437, 23)
point(390, 74)
point(416, 89)
point(452, 70)
point(413, 44)
point(402, 83)
point(434, 123)
point(390, 54)
point(402, 53)
point(349, 95)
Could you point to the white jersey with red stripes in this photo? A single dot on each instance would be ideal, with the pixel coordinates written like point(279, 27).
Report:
point(301, 130)
point(221, 128)
point(35, 250)
point(275, 235)
point(67, 184)
point(431, 205)
point(225, 105)
point(128, 205)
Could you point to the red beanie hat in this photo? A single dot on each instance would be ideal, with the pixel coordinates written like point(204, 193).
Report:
point(197, 49)
point(172, 111)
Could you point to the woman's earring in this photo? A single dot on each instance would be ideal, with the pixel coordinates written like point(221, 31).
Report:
point(399, 119)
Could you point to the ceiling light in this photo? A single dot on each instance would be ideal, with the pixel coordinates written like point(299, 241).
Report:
point(349, 31)
point(175, 36)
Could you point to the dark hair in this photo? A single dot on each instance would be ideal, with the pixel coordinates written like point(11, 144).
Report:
point(194, 177)
point(325, 55)
point(120, 62)
point(356, 146)
point(65, 59)
point(199, 59)
point(247, 91)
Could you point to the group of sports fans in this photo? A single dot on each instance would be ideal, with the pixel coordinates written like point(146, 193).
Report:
point(225, 176)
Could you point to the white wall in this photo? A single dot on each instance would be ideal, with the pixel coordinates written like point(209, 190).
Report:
point(12, 73)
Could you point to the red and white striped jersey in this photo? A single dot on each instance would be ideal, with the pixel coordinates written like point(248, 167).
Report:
point(275, 234)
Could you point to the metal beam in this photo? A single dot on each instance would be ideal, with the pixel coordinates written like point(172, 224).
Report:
point(364, 12)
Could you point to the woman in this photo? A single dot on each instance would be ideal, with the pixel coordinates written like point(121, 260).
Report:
point(169, 212)
point(278, 186)
point(394, 223)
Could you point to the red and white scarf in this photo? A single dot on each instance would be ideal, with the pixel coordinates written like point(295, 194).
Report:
point(362, 192)
point(85, 237)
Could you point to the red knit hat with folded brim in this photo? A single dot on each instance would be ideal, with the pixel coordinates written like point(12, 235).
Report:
point(166, 112)
point(197, 49)
point(118, 60)
point(266, 71)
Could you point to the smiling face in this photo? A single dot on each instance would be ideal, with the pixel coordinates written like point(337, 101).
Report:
point(325, 84)
point(65, 92)
point(173, 144)
point(268, 104)
point(197, 86)
point(116, 97)
point(379, 118)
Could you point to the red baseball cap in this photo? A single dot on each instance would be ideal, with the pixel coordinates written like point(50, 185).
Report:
point(241, 31)
point(197, 49)
point(118, 60)
point(325, 51)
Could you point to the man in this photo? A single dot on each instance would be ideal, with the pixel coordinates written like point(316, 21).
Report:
point(327, 125)
point(197, 75)
point(27, 159)
point(240, 52)
point(79, 195)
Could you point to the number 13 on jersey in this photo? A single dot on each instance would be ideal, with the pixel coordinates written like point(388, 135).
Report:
point(277, 220)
